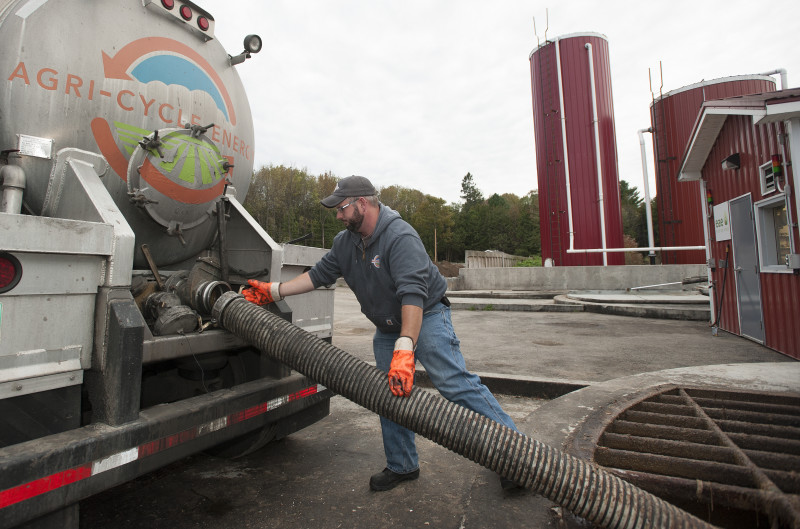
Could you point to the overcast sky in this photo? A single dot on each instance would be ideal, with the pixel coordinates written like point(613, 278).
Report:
point(418, 93)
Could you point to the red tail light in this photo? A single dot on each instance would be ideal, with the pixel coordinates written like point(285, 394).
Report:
point(10, 272)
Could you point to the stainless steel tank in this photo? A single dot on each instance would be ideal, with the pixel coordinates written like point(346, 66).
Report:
point(124, 79)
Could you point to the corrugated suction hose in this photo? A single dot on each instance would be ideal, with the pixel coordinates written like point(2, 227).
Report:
point(578, 485)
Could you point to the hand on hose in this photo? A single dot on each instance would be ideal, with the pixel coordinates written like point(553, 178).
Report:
point(262, 293)
point(401, 371)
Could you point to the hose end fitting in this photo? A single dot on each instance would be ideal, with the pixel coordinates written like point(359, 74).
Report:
point(221, 303)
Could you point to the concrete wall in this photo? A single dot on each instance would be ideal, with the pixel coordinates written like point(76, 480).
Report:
point(573, 277)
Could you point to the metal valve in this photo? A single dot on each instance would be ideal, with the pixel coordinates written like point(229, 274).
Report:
point(175, 230)
point(139, 199)
point(197, 130)
point(151, 144)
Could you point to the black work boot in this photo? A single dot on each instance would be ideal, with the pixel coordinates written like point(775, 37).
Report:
point(386, 479)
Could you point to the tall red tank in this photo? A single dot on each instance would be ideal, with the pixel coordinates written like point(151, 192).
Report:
point(571, 149)
point(672, 117)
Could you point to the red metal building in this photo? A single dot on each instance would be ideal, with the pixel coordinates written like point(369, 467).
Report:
point(672, 116)
point(739, 153)
point(576, 152)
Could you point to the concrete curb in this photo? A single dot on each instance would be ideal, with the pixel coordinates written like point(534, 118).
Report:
point(518, 386)
point(495, 304)
point(642, 310)
point(557, 422)
point(506, 294)
point(680, 297)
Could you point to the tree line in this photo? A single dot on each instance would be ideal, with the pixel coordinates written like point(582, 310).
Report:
point(285, 201)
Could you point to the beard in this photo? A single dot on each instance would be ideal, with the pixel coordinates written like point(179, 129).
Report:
point(354, 223)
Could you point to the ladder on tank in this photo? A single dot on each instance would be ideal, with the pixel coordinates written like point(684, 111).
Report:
point(554, 159)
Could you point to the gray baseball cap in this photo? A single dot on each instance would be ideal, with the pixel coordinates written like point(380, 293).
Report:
point(351, 186)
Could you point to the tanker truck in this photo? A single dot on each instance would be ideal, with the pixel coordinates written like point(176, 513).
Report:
point(126, 152)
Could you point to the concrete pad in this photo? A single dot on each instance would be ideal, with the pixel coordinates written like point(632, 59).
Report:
point(579, 346)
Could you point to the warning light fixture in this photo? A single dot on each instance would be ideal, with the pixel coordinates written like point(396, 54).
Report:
point(777, 169)
point(196, 19)
point(10, 272)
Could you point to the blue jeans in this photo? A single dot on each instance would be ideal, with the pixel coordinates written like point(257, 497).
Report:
point(439, 352)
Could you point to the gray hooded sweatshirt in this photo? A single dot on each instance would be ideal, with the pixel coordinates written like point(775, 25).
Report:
point(391, 270)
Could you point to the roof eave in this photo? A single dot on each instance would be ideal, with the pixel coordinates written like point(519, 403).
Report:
point(705, 133)
point(691, 176)
point(779, 112)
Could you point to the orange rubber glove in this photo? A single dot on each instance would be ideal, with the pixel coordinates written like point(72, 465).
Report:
point(262, 293)
point(401, 370)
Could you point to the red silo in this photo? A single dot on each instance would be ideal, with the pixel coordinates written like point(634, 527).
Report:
point(576, 153)
point(672, 117)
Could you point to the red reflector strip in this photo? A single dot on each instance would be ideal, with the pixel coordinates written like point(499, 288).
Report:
point(304, 393)
point(165, 443)
point(40, 486)
point(66, 477)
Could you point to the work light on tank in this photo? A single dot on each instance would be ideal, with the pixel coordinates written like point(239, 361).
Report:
point(168, 4)
point(202, 23)
point(186, 12)
point(252, 43)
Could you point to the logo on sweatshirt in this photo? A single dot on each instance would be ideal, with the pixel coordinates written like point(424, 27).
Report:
point(376, 261)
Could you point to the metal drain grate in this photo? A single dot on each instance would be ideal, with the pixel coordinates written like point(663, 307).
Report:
point(723, 451)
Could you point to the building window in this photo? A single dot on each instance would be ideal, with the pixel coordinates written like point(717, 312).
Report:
point(774, 242)
point(767, 178)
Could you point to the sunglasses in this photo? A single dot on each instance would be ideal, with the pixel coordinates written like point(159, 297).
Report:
point(341, 209)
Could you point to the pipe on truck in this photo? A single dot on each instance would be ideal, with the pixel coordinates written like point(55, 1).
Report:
point(12, 186)
point(578, 485)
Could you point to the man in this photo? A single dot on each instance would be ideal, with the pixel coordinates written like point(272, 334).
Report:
point(402, 292)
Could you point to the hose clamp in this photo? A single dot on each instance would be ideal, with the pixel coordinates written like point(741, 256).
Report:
point(222, 303)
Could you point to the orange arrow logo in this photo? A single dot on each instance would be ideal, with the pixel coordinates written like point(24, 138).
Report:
point(118, 66)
